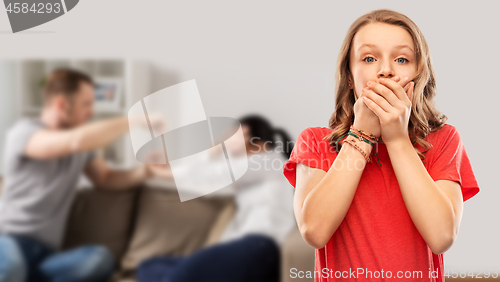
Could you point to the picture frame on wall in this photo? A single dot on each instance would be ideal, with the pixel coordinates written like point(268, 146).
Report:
point(107, 94)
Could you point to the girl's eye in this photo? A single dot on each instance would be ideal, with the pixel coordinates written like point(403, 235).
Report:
point(404, 60)
point(367, 58)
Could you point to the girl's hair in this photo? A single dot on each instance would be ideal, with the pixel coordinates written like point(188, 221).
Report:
point(424, 118)
point(261, 130)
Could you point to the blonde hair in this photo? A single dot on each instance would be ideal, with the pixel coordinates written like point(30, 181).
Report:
point(425, 118)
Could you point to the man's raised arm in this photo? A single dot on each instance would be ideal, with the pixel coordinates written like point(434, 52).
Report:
point(50, 144)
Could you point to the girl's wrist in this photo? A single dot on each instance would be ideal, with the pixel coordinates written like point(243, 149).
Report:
point(365, 129)
point(367, 148)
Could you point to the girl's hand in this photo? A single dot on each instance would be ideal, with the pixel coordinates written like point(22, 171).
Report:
point(392, 104)
point(364, 118)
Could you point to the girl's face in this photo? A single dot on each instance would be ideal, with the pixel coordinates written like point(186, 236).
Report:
point(381, 50)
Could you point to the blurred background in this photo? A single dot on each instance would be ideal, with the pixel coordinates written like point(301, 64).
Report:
point(119, 83)
point(274, 58)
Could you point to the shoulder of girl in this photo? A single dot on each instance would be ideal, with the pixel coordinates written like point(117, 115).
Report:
point(443, 135)
point(312, 134)
point(318, 131)
point(447, 130)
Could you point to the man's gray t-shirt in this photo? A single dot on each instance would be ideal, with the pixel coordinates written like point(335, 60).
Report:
point(37, 194)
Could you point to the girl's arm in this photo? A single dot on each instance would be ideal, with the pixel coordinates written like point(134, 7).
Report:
point(322, 198)
point(434, 207)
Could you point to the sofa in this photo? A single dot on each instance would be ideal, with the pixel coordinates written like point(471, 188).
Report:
point(150, 220)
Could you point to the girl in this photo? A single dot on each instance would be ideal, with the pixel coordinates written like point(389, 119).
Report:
point(379, 194)
point(249, 247)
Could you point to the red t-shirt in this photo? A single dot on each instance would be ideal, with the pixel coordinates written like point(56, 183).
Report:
point(377, 232)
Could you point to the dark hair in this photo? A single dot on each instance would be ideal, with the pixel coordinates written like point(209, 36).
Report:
point(64, 81)
point(262, 129)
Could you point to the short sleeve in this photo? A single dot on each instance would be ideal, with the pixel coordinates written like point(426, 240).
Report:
point(18, 137)
point(452, 163)
point(305, 151)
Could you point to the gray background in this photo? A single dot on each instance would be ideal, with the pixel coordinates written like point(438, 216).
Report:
point(278, 58)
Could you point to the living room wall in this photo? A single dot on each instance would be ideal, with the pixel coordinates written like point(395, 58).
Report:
point(278, 59)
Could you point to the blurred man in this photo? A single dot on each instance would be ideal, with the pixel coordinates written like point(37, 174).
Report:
point(44, 158)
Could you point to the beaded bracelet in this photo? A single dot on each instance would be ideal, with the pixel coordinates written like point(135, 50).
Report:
point(368, 138)
point(362, 133)
point(367, 141)
point(350, 142)
point(360, 138)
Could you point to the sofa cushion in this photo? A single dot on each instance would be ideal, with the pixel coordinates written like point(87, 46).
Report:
point(297, 255)
point(166, 226)
point(221, 222)
point(101, 217)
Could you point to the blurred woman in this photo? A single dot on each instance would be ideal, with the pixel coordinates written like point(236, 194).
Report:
point(249, 247)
